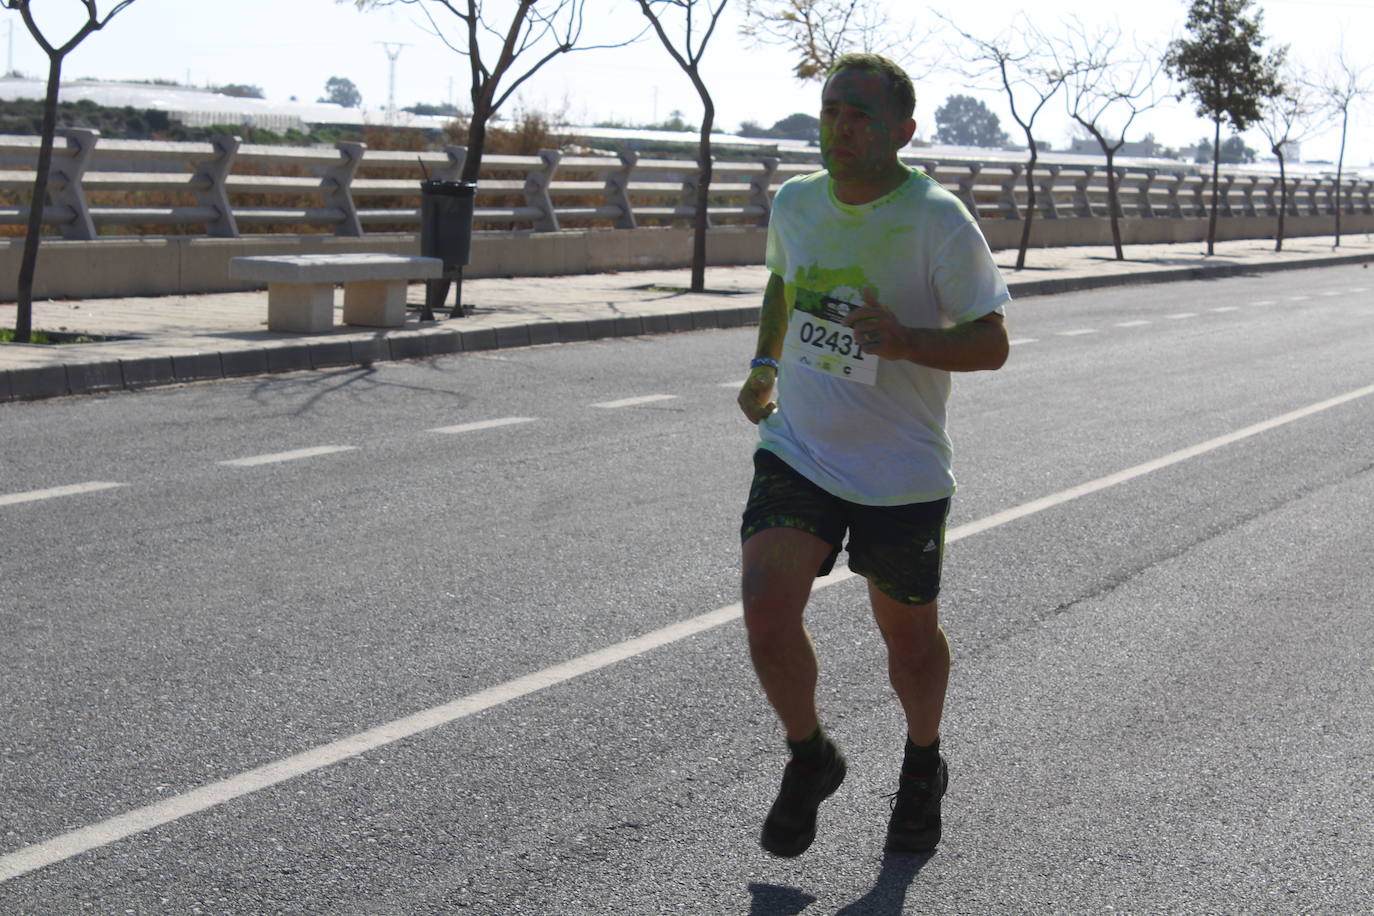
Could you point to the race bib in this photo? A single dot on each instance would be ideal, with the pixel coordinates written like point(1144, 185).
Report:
point(822, 345)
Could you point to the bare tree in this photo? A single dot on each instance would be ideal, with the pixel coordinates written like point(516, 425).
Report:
point(1105, 91)
point(1340, 87)
point(699, 19)
point(1286, 119)
point(819, 31)
point(23, 328)
point(1025, 65)
point(501, 54)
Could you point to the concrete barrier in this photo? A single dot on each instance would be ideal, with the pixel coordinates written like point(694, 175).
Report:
point(108, 268)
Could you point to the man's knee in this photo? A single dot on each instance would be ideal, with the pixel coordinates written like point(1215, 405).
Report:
point(772, 604)
point(779, 567)
point(908, 629)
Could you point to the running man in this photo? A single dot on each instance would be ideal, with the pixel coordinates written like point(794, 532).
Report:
point(881, 285)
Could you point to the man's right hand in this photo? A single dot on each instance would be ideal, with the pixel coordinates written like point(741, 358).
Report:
point(756, 396)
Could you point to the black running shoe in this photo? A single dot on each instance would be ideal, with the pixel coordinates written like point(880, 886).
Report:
point(791, 823)
point(915, 822)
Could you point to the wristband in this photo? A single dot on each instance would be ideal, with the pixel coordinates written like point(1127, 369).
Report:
point(759, 361)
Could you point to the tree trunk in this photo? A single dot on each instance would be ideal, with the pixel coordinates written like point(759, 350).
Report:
point(1030, 203)
point(23, 322)
point(1283, 199)
point(1216, 188)
point(701, 216)
point(477, 138)
point(1340, 162)
point(1114, 204)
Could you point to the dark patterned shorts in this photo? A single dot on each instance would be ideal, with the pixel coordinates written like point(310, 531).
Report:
point(900, 549)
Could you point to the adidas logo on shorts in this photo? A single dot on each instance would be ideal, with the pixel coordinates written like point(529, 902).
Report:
point(930, 545)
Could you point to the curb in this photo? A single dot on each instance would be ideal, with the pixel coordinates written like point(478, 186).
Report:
point(1173, 275)
point(134, 373)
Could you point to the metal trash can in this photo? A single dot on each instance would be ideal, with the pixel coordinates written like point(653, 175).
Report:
point(446, 233)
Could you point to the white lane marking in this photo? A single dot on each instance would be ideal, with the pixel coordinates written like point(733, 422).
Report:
point(73, 489)
point(1132, 324)
point(1023, 340)
point(1333, 292)
point(1358, 289)
point(739, 384)
point(634, 402)
point(1298, 298)
point(39, 855)
point(295, 455)
point(1177, 316)
point(482, 424)
point(1077, 332)
point(1263, 302)
point(1226, 308)
point(1111, 480)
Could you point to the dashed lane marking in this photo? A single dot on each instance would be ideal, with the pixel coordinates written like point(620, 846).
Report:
point(296, 455)
point(1133, 324)
point(74, 489)
point(1077, 333)
point(1227, 308)
point(1298, 298)
point(1263, 302)
point(1023, 340)
point(635, 402)
point(75, 842)
point(482, 424)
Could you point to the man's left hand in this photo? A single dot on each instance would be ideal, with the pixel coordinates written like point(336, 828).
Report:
point(877, 331)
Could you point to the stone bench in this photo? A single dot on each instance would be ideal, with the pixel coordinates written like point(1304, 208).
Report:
point(300, 287)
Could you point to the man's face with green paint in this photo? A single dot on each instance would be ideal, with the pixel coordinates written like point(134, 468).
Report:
point(860, 133)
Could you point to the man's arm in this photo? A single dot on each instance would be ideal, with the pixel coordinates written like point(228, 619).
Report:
point(978, 344)
point(756, 397)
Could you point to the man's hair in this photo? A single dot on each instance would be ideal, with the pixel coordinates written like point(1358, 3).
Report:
point(901, 94)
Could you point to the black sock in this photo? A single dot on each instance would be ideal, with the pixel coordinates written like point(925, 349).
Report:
point(921, 761)
point(810, 748)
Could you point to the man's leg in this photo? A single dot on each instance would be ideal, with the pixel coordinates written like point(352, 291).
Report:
point(780, 565)
point(917, 661)
point(918, 666)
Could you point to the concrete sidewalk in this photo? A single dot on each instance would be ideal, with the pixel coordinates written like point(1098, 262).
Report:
point(175, 339)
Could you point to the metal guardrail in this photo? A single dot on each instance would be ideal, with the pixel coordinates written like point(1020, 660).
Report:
point(212, 187)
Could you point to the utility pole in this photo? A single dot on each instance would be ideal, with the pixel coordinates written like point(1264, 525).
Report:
point(393, 51)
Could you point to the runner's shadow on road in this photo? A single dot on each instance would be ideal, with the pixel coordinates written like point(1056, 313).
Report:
point(887, 897)
point(775, 900)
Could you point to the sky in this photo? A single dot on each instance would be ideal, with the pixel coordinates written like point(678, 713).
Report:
point(290, 48)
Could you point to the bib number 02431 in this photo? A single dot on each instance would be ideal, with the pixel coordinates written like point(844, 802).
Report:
point(827, 346)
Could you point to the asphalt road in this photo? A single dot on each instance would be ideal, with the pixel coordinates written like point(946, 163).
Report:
point(218, 639)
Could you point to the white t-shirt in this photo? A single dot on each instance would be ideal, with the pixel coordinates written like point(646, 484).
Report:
point(869, 430)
